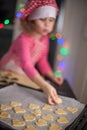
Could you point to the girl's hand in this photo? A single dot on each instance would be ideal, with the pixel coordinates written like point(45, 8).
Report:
point(48, 89)
point(51, 93)
point(58, 80)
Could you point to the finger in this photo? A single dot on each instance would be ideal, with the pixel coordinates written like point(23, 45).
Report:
point(54, 98)
point(55, 93)
point(50, 101)
point(59, 82)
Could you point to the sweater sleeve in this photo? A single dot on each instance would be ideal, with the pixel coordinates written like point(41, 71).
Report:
point(23, 52)
point(43, 63)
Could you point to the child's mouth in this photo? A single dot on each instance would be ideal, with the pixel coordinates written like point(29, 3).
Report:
point(45, 30)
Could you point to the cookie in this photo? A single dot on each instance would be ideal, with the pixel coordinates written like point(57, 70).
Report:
point(41, 122)
point(4, 107)
point(47, 107)
point(60, 111)
point(72, 109)
point(33, 106)
point(19, 110)
point(5, 115)
point(62, 120)
point(30, 127)
point(36, 112)
point(48, 117)
point(18, 123)
point(54, 127)
point(27, 117)
point(15, 104)
point(59, 100)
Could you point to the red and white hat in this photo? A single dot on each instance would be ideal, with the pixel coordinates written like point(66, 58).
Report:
point(36, 9)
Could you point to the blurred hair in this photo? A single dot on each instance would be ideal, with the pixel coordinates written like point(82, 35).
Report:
point(26, 25)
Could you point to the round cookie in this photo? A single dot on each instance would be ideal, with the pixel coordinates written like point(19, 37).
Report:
point(59, 100)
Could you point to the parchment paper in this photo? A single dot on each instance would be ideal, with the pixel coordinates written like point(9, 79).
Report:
point(27, 96)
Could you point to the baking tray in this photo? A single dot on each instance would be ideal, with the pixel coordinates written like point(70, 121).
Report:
point(80, 123)
point(26, 96)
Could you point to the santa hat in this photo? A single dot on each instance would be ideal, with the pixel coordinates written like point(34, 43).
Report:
point(36, 9)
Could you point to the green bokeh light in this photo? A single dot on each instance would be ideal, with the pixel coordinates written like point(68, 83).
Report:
point(53, 38)
point(58, 73)
point(64, 51)
point(6, 21)
point(20, 6)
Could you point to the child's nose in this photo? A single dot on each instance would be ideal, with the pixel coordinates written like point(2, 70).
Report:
point(47, 22)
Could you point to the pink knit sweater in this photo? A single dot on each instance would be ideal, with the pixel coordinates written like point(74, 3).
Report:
point(26, 51)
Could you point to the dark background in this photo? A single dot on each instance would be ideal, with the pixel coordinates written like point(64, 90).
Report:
point(7, 10)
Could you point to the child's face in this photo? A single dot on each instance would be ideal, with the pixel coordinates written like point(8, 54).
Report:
point(44, 26)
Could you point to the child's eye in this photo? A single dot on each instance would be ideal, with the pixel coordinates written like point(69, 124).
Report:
point(51, 19)
point(42, 19)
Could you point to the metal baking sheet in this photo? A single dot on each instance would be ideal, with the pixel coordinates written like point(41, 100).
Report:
point(27, 96)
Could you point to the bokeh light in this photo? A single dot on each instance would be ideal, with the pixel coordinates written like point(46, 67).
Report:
point(6, 21)
point(64, 51)
point(60, 57)
point(1, 25)
point(22, 10)
point(66, 45)
point(58, 35)
point(21, 6)
point(61, 64)
point(60, 41)
point(18, 14)
point(58, 73)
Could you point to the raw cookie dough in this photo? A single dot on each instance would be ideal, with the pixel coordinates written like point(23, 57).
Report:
point(5, 107)
point(28, 117)
point(47, 107)
point(19, 110)
point(18, 123)
point(41, 122)
point(15, 104)
point(60, 111)
point(36, 112)
point(72, 109)
point(59, 100)
point(48, 117)
point(30, 127)
point(33, 106)
point(5, 115)
point(62, 120)
point(55, 127)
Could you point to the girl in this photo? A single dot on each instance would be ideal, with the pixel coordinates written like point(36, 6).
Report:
point(32, 45)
